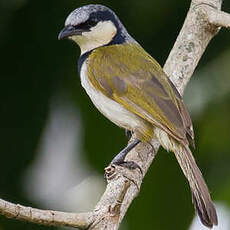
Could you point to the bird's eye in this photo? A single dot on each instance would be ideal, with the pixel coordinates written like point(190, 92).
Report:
point(91, 22)
point(88, 24)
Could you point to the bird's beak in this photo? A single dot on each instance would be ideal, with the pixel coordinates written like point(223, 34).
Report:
point(69, 31)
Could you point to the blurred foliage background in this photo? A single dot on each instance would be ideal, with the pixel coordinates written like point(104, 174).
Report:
point(54, 144)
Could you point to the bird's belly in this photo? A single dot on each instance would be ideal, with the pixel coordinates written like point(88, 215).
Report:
point(108, 107)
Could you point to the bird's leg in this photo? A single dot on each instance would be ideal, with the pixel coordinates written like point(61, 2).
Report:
point(128, 133)
point(119, 159)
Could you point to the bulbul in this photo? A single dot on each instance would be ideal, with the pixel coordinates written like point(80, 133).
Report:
point(131, 89)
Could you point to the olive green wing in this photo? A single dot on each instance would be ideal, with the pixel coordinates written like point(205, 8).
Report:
point(130, 76)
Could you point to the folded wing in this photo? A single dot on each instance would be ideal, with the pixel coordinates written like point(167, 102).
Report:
point(134, 79)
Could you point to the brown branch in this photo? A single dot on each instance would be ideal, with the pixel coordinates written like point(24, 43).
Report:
point(45, 217)
point(200, 26)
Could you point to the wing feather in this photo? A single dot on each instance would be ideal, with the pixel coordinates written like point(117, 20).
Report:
point(134, 79)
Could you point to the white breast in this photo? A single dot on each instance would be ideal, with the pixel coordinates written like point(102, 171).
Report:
point(109, 108)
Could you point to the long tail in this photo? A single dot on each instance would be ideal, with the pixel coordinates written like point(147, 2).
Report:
point(200, 194)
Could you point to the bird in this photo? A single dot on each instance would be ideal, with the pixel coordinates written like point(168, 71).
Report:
point(130, 88)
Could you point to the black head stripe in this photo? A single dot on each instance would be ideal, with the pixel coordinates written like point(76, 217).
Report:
point(87, 25)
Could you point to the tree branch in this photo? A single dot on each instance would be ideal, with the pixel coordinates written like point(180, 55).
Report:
point(191, 42)
point(45, 217)
point(201, 24)
point(218, 18)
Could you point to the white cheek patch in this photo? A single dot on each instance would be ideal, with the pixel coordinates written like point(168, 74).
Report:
point(99, 35)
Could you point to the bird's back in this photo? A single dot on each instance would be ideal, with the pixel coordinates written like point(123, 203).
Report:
point(129, 75)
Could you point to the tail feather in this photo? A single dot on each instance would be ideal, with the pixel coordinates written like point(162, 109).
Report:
point(200, 194)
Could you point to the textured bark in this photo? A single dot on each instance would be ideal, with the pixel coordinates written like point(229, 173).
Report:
point(203, 21)
point(45, 217)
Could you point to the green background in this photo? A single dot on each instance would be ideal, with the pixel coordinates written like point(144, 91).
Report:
point(37, 72)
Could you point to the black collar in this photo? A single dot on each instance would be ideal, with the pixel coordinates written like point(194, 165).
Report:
point(118, 39)
point(81, 60)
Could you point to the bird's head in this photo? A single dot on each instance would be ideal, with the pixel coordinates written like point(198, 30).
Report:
point(92, 26)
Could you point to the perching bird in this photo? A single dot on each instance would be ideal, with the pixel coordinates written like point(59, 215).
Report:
point(131, 89)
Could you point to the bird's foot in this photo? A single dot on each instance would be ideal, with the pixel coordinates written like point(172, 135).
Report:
point(129, 165)
point(110, 171)
point(119, 159)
